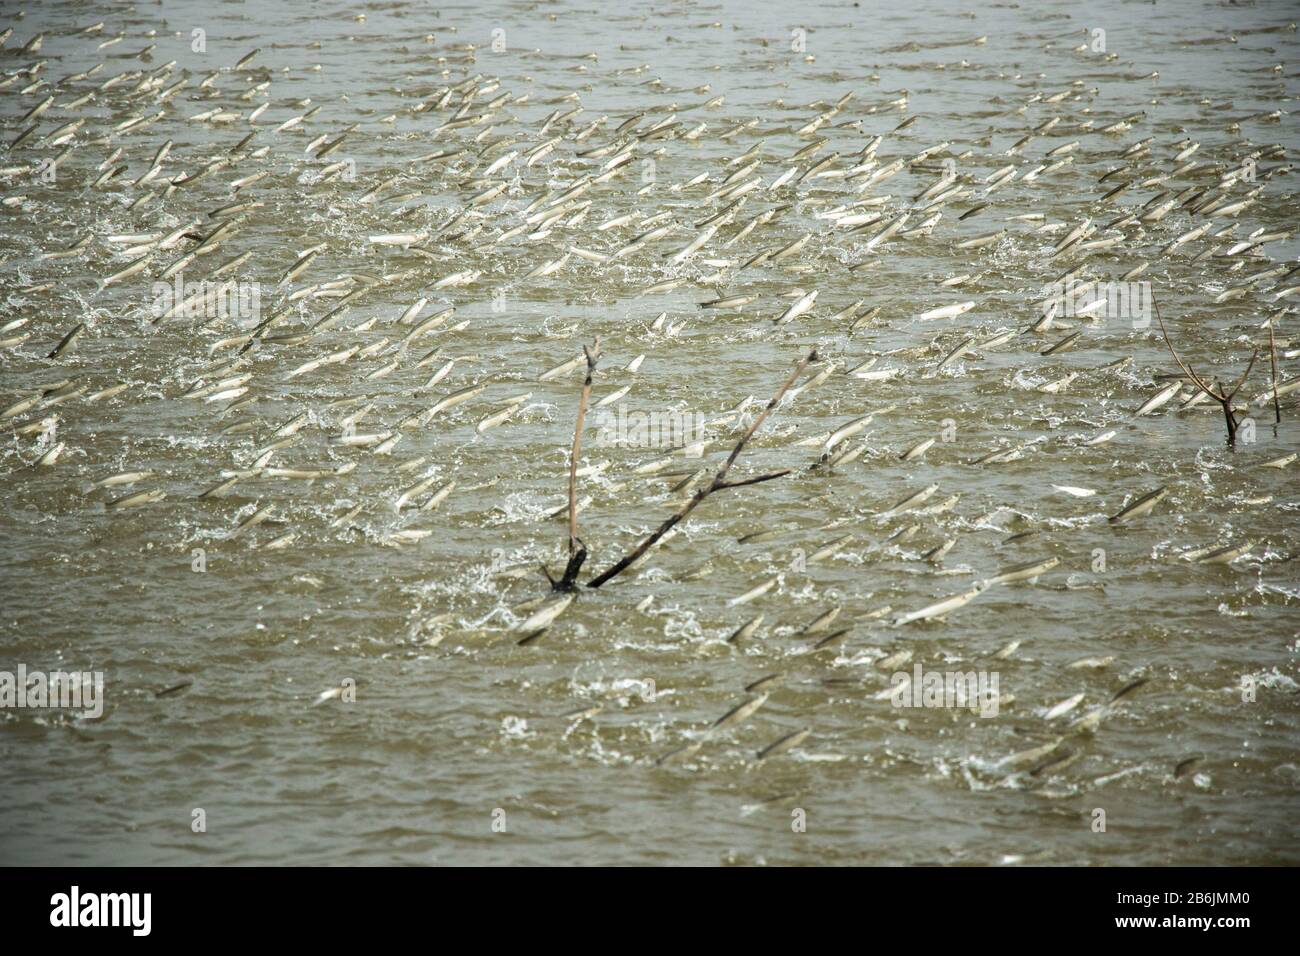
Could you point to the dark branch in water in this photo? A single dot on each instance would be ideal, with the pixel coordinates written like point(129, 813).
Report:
point(719, 482)
point(1218, 394)
point(754, 481)
point(1272, 354)
point(577, 550)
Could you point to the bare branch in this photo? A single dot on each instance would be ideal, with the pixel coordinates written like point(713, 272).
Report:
point(592, 355)
point(627, 561)
point(1219, 395)
point(719, 482)
point(754, 481)
point(776, 399)
point(1242, 381)
point(1187, 369)
point(1272, 352)
point(577, 553)
point(571, 570)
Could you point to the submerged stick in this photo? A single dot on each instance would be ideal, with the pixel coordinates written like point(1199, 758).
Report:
point(577, 551)
point(1272, 354)
point(719, 482)
point(1223, 398)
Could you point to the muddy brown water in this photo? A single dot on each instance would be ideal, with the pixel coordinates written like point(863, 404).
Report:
point(454, 726)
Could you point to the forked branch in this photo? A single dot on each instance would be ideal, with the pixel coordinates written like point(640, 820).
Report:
point(719, 482)
point(577, 550)
point(1272, 354)
point(1219, 395)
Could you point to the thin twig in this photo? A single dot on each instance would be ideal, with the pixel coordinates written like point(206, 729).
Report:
point(592, 355)
point(1220, 396)
point(577, 551)
point(719, 482)
point(1272, 352)
point(1187, 370)
point(1245, 375)
point(754, 481)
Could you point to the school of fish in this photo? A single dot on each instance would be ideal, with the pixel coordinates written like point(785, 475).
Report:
point(290, 367)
